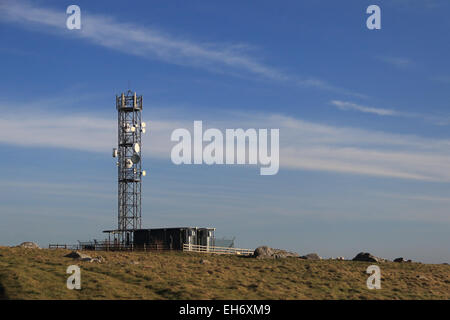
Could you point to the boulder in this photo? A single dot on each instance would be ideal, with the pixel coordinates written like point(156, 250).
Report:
point(311, 256)
point(399, 260)
point(29, 244)
point(284, 254)
point(367, 257)
point(84, 257)
point(265, 252)
point(79, 256)
point(98, 259)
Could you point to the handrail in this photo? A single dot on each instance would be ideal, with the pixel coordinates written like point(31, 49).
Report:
point(110, 246)
point(217, 250)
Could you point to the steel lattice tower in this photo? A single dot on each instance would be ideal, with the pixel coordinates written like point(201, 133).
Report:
point(130, 129)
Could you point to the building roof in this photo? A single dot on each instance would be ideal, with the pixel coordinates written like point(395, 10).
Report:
point(160, 228)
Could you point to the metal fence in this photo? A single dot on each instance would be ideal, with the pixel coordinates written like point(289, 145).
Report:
point(64, 246)
point(217, 250)
point(223, 242)
point(109, 246)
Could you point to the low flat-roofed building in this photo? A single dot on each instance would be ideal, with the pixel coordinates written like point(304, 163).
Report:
point(174, 238)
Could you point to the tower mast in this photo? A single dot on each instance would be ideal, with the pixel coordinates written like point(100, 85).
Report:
point(130, 173)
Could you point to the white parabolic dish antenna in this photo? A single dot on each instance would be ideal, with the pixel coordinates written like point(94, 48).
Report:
point(135, 158)
point(129, 163)
point(136, 147)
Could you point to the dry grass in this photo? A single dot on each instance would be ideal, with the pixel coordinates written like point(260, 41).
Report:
point(41, 274)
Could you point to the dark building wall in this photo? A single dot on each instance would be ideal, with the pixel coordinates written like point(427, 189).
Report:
point(171, 238)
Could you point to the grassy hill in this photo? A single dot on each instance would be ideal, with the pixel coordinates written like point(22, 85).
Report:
point(41, 274)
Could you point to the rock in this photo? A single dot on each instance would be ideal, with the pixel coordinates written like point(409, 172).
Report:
point(74, 255)
point(84, 257)
point(98, 259)
point(204, 261)
point(367, 257)
point(262, 252)
point(311, 256)
point(265, 252)
point(284, 254)
point(340, 258)
point(29, 245)
point(78, 255)
point(399, 260)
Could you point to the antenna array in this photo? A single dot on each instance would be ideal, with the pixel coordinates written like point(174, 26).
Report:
point(130, 173)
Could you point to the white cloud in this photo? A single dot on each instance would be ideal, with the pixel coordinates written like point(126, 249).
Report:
point(416, 197)
point(439, 120)
point(357, 107)
point(443, 79)
point(58, 189)
point(156, 44)
point(303, 145)
point(398, 62)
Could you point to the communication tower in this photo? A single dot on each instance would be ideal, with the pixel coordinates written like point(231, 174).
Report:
point(129, 163)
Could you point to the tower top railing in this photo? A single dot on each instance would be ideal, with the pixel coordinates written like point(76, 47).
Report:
point(129, 102)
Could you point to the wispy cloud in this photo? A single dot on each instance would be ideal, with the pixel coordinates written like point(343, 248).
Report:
point(416, 4)
point(151, 43)
point(443, 79)
point(415, 197)
point(58, 189)
point(304, 145)
point(439, 120)
point(398, 62)
point(342, 105)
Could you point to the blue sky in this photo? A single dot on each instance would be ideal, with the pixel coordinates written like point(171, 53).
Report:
point(363, 118)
